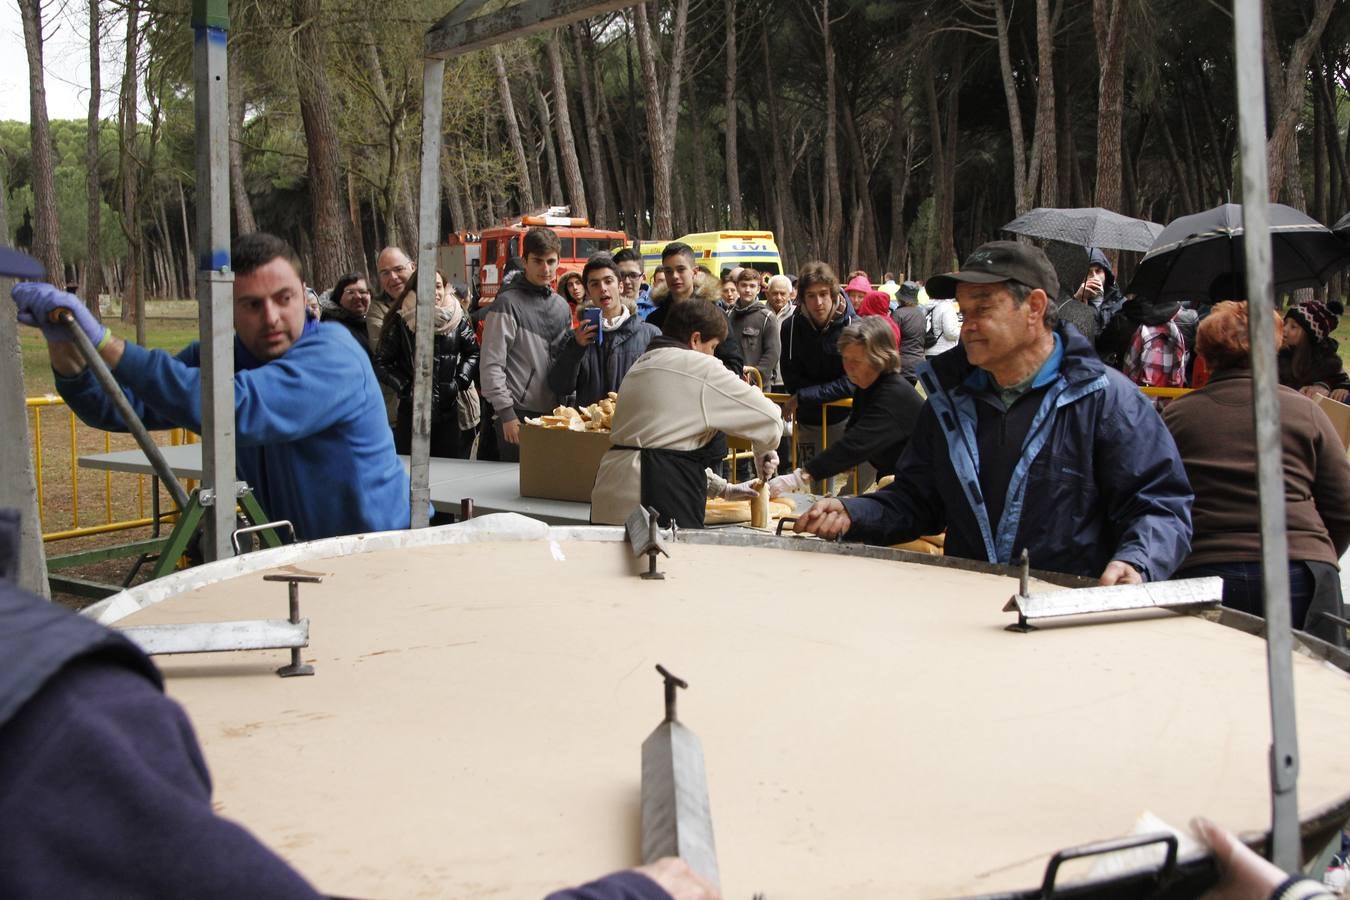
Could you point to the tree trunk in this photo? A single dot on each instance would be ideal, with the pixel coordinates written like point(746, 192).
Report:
point(91, 284)
point(776, 137)
point(864, 252)
point(527, 196)
point(332, 243)
point(189, 258)
point(46, 224)
point(834, 200)
point(590, 105)
point(555, 195)
point(1108, 24)
point(1046, 23)
point(562, 123)
point(129, 174)
point(944, 151)
point(732, 156)
point(1288, 82)
point(662, 118)
point(901, 162)
point(1021, 198)
point(354, 216)
point(702, 211)
point(243, 208)
point(453, 195)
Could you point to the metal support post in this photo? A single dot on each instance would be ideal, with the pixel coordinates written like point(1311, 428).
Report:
point(215, 293)
point(1247, 21)
point(428, 236)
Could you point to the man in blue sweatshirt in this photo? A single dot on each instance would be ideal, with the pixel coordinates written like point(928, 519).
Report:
point(311, 435)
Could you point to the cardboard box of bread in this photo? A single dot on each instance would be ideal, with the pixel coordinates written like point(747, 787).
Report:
point(560, 452)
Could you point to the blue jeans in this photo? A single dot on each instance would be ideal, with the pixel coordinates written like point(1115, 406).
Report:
point(1242, 589)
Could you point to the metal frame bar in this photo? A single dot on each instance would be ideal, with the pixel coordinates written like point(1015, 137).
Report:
point(1250, 74)
point(460, 31)
point(215, 281)
point(429, 230)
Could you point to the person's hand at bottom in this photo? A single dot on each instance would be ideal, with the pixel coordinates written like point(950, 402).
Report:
point(826, 519)
point(675, 877)
point(1243, 874)
point(511, 431)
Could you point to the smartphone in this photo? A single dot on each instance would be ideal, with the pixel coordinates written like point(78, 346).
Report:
point(594, 315)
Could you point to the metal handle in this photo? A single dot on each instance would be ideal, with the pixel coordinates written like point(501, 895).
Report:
point(1126, 843)
point(124, 408)
point(785, 520)
point(234, 535)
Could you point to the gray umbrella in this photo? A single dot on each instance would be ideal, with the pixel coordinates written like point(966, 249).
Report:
point(1342, 226)
point(1194, 250)
point(1086, 227)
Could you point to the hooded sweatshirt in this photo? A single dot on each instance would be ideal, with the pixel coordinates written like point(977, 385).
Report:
point(756, 330)
point(812, 367)
point(520, 328)
point(878, 304)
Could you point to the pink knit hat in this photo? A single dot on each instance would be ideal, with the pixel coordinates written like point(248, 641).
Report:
point(860, 284)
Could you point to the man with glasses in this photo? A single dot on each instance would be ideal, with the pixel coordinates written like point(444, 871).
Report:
point(628, 265)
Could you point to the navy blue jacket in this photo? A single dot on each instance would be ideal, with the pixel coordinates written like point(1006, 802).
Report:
point(312, 435)
point(812, 366)
point(1096, 478)
point(589, 373)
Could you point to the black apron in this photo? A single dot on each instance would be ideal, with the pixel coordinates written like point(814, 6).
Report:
point(673, 482)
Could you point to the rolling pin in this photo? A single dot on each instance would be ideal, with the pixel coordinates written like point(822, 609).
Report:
point(759, 506)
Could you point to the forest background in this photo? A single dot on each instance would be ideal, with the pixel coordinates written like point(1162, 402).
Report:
point(873, 134)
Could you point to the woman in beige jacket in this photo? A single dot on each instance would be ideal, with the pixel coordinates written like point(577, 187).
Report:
point(675, 400)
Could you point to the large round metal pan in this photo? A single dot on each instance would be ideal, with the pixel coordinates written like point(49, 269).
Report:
point(473, 727)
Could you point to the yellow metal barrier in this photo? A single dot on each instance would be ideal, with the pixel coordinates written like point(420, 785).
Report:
point(76, 529)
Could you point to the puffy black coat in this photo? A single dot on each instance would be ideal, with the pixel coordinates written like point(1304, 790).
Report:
point(454, 363)
point(350, 321)
point(879, 426)
point(589, 373)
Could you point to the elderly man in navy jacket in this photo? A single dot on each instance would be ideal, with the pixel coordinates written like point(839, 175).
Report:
point(1028, 442)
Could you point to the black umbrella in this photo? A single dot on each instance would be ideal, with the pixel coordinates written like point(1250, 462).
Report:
point(1087, 227)
point(1342, 226)
point(1194, 250)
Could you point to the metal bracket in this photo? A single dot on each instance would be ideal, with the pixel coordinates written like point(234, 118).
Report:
point(266, 526)
point(1164, 874)
point(1023, 593)
point(1184, 593)
point(293, 582)
point(645, 537)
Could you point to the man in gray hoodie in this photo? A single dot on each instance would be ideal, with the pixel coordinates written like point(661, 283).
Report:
point(755, 327)
point(521, 326)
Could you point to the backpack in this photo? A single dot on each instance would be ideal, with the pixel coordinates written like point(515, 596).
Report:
point(1157, 356)
point(930, 336)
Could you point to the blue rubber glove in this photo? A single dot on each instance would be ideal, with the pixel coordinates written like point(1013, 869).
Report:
point(39, 301)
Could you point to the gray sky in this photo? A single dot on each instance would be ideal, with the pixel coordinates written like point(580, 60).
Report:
point(65, 57)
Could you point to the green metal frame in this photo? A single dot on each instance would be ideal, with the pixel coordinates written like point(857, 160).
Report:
point(166, 550)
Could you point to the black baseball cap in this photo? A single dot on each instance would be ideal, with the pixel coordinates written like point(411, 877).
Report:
point(999, 261)
point(15, 264)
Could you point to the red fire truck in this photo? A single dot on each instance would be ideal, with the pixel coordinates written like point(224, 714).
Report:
point(481, 259)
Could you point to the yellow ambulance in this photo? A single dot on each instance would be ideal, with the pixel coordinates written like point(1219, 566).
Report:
point(720, 250)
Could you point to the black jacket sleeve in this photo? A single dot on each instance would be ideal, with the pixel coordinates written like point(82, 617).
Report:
point(888, 419)
point(466, 373)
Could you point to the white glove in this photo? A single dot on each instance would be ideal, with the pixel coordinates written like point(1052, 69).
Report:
point(766, 464)
point(797, 482)
point(743, 491)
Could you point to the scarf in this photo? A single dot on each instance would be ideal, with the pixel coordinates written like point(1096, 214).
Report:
point(444, 318)
point(614, 323)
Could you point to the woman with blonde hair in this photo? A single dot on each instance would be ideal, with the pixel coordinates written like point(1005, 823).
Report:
point(885, 408)
point(1216, 436)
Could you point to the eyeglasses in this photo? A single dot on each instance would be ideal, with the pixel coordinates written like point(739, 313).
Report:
point(356, 292)
point(630, 276)
point(400, 269)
